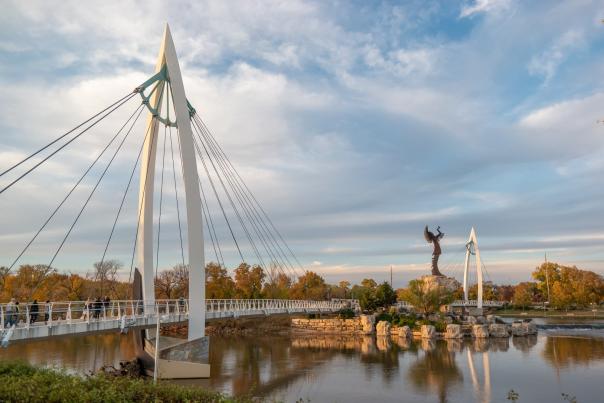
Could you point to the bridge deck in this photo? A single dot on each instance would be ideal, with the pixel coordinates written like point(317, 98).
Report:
point(75, 317)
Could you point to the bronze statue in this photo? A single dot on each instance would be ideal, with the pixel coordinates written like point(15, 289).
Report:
point(434, 239)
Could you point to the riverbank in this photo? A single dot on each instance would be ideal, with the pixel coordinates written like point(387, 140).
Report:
point(20, 382)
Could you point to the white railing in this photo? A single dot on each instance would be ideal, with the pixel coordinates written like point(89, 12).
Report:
point(473, 303)
point(27, 315)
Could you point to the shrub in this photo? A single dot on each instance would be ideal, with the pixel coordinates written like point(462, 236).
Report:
point(346, 313)
point(440, 326)
point(384, 316)
point(20, 382)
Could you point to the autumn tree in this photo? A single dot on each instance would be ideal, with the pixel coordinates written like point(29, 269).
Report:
point(219, 284)
point(28, 281)
point(309, 286)
point(524, 294)
point(105, 276)
point(424, 299)
point(248, 281)
point(277, 287)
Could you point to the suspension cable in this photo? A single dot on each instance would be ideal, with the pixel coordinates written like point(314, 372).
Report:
point(54, 212)
point(64, 145)
point(218, 199)
point(161, 199)
point(201, 124)
point(241, 202)
point(142, 200)
point(62, 136)
point(93, 190)
point(117, 216)
point(271, 245)
point(182, 251)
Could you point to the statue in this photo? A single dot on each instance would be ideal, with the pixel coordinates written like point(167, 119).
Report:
point(434, 239)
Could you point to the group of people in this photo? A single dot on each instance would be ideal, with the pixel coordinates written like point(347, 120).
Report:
point(93, 309)
point(13, 311)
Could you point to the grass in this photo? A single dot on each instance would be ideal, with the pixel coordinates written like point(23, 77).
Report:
point(20, 382)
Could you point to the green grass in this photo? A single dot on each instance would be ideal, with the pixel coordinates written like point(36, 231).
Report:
point(20, 382)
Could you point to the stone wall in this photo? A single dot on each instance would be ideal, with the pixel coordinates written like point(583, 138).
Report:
point(336, 325)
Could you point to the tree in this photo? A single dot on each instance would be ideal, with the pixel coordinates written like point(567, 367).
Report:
point(278, 287)
point(309, 286)
point(219, 285)
point(425, 299)
point(385, 295)
point(524, 294)
point(105, 274)
point(26, 284)
point(248, 281)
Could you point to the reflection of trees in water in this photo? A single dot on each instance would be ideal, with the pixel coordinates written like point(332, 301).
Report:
point(83, 353)
point(435, 370)
point(567, 351)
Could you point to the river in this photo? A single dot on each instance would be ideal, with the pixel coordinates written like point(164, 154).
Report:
point(362, 369)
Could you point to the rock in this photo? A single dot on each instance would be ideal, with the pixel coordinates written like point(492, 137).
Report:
point(480, 331)
point(490, 319)
point(530, 328)
point(383, 328)
point(428, 332)
point(448, 320)
point(481, 320)
point(405, 332)
point(497, 330)
point(367, 322)
point(518, 329)
point(433, 282)
point(471, 320)
point(453, 332)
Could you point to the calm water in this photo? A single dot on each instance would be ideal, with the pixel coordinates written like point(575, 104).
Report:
point(357, 369)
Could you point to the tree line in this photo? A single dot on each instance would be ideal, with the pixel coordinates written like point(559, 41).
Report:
point(562, 286)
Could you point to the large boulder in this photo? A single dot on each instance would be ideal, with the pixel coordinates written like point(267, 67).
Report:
point(383, 328)
point(453, 332)
point(431, 283)
point(530, 328)
point(367, 322)
point(405, 332)
point(498, 330)
point(519, 329)
point(428, 332)
point(480, 331)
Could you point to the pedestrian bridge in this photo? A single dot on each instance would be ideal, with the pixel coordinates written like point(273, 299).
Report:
point(74, 317)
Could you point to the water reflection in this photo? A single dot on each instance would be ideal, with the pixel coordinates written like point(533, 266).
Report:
point(436, 370)
point(355, 368)
point(568, 351)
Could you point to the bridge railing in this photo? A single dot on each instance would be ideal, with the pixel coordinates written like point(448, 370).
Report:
point(68, 312)
point(473, 303)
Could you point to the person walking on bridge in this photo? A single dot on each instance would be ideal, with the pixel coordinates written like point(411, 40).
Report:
point(33, 311)
point(47, 311)
point(10, 313)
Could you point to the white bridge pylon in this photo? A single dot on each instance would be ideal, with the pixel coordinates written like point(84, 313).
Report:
point(472, 244)
point(167, 59)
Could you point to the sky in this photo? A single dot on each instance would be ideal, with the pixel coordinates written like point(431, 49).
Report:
point(355, 124)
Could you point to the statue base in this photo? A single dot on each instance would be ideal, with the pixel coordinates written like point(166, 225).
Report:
point(431, 282)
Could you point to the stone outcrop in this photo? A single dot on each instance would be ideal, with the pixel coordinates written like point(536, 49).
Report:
point(367, 322)
point(471, 320)
point(339, 326)
point(405, 332)
point(428, 332)
point(530, 328)
point(498, 330)
point(453, 332)
point(518, 329)
point(480, 331)
point(433, 282)
point(383, 328)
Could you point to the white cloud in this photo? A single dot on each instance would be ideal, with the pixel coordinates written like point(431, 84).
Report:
point(483, 6)
point(547, 62)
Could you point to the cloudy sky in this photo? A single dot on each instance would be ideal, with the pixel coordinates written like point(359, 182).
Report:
point(354, 123)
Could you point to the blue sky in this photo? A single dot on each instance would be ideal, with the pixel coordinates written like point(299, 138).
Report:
point(355, 124)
